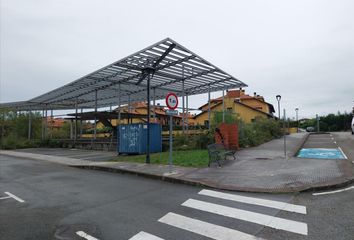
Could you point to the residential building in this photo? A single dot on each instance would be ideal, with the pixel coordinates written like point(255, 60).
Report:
point(136, 113)
point(237, 102)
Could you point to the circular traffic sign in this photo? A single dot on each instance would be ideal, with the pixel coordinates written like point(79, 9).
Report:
point(171, 101)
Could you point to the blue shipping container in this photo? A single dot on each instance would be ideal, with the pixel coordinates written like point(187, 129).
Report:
point(132, 138)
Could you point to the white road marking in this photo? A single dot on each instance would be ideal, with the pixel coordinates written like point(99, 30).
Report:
point(336, 191)
point(145, 236)
point(15, 197)
point(256, 201)
point(85, 235)
point(204, 228)
point(5, 197)
point(262, 219)
point(340, 149)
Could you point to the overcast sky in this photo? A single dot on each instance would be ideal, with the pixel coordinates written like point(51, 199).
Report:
point(302, 50)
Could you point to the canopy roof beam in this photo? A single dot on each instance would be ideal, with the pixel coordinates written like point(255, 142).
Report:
point(166, 58)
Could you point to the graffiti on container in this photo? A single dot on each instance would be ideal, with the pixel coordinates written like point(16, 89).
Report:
point(132, 136)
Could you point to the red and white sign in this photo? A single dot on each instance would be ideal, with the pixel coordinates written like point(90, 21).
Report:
point(171, 101)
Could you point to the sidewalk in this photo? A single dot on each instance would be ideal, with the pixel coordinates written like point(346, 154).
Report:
point(258, 169)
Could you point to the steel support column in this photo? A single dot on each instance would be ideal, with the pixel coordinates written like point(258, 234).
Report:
point(71, 129)
point(128, 108)
point(148, 121)
point(209, 107)
point(75, 128)
point(119, 116)
point(46, 123)
point(183, 119)
point(42, 127)
point(110, 111)
point(154, 104)
point(16, 130)
point(223, 106)
point(52, 121)
point(284, 127)
point(29, 124)
point(95, 124)
point(81, 123)
point(187, 126)
point(3, 128)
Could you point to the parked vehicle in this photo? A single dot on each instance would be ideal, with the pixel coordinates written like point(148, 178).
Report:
point(310, 129)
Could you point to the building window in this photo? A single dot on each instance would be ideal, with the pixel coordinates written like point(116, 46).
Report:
point(229, 109)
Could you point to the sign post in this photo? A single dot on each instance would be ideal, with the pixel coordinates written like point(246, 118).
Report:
point(171, 103)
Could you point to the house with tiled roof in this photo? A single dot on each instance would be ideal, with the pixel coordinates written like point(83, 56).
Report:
point(245, 106)
point(137, 114)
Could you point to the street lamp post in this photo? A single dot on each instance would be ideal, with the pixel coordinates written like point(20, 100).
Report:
point(278, 97)
point(297, 119)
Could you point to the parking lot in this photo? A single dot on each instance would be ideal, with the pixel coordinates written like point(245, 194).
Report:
point(322, 146)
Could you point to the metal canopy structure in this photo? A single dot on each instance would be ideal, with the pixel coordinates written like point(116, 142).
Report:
point(173, 68)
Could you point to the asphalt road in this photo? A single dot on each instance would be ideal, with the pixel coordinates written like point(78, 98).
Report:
point(60, 201)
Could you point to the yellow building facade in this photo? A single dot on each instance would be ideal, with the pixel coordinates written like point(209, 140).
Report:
point(237, 102)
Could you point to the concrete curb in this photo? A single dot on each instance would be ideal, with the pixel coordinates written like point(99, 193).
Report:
point(78, 163)
point(317, 187)
point(142, 174)
point(300, 145)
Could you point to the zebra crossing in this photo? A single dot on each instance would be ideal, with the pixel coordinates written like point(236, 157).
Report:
point(218, 232)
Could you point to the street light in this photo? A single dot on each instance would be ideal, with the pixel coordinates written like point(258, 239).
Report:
point(297, 119)
point(278, 97)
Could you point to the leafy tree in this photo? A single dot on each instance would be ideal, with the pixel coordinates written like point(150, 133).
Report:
point(331, 122)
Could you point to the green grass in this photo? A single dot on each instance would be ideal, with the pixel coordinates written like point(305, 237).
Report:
point(187, 158)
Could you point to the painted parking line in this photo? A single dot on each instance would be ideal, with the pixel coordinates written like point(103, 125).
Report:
point(10, 195)
point(258, 218)
point(145, 236)
point(336, 191)
point(340, 149)
point(255, 201)
point(204, 228)
point(85, 235)
point(1, 198)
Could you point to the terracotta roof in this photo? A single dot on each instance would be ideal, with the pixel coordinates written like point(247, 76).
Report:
point(245, 105)
point(236, 94)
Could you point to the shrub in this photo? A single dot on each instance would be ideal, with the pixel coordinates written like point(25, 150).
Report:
point(260, 131)
point(200, 141)
point(14, 142)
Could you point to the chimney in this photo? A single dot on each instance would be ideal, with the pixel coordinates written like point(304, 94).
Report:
point(254, 94)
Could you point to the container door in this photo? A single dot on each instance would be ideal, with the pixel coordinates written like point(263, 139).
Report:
point(129, 138)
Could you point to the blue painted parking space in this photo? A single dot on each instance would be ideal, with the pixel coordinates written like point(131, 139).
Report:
point(321, 153)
